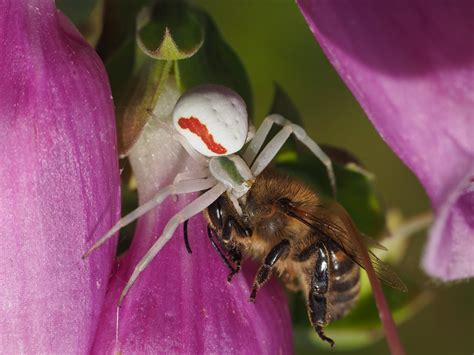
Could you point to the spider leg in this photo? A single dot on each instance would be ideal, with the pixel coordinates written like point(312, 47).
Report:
point(235, 203)
point(192, 175)
point(250, 133)
point(258, 139)
point(270, 150)
point(261, 161)
point(198, 205)
point(173, 189)
point(200, 159)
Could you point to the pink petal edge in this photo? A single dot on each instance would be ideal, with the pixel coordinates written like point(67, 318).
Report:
point(410, 65)
point(447, 252)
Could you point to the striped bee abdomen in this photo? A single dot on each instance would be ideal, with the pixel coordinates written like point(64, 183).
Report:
point(344, 282)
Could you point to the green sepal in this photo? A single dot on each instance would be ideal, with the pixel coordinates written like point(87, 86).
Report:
point(169, 31)
point(215, 63)
point(138, 96)
point(144, 93)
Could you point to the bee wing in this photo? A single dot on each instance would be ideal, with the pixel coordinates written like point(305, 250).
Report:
point(372, 243)
point(340, 231)
point(385, 273)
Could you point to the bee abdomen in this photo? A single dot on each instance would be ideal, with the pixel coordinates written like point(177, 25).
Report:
point(344, 292)
point(344, 283)
point(341, 264)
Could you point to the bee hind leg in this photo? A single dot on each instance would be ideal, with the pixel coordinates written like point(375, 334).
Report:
point(265, 271)
point(317, 297)
point(236, 257)
point(321, 334)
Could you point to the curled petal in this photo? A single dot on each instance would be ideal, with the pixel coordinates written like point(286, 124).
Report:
point(182, 302)
point(451, 248)
point(410, 64)
point(59, 181)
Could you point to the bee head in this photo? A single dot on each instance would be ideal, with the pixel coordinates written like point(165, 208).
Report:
point(269, 201)
point(264, 210)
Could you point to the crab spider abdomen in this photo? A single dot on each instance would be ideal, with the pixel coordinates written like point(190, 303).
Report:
point(213, 119)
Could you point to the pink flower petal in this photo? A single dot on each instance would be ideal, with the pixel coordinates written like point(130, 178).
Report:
point(182, 303)
point(410, 64)
point(59, 181)
point(451, 247)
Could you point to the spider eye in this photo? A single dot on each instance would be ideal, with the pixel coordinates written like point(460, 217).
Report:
point(213, 119)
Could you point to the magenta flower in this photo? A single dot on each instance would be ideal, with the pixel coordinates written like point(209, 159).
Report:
point(182, 303)
point(411, 66)
point(59, 181)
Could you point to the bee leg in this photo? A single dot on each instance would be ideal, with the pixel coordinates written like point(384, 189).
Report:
point(321, 334)
point(317, 298)
point(236, 257)
point(265, 270)
point(185, 236)
point(219, 251)
point(234, 252)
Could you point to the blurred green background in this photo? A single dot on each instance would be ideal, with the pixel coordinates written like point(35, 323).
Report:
point(276, 46)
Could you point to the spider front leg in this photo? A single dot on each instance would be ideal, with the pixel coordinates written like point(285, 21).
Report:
point(198, 205)
point(191, 175)
point(261, 161)
point(173, 189)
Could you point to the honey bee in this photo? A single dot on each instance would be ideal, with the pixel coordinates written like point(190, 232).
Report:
point(309, 243)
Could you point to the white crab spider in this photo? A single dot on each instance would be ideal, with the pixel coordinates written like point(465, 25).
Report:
point(213, 125)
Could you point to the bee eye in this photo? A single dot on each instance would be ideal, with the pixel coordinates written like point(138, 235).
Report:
point(284, 203)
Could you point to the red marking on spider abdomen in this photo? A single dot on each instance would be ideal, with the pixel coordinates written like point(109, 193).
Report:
point(195, 126)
